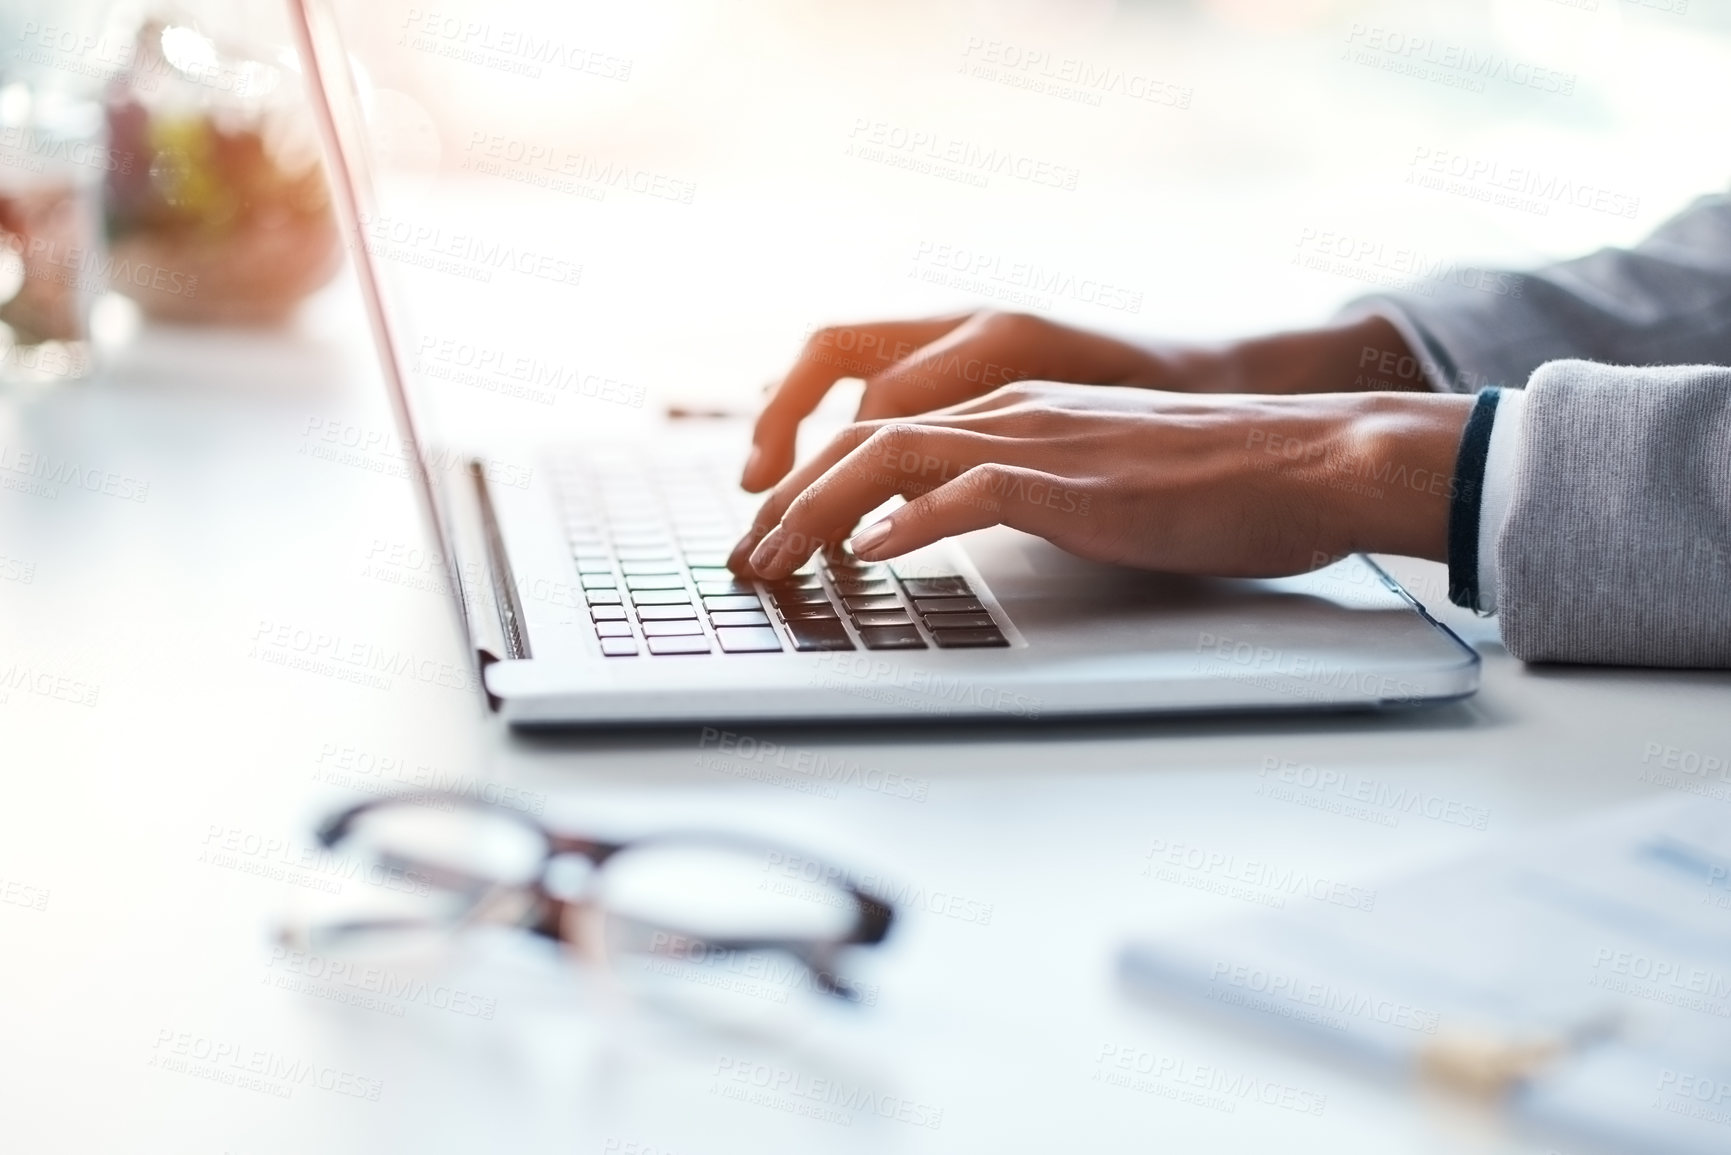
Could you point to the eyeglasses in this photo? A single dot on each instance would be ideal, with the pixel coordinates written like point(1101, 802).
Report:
point(661, 903)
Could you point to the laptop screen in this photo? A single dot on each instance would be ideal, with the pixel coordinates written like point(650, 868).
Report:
point(340, 106)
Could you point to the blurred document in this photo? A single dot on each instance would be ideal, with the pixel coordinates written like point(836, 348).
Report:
point(1584, 972)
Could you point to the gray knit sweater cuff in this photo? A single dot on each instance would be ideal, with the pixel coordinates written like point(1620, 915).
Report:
point(1617, 547)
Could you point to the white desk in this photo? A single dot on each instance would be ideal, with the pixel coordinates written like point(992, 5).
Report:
point(179, 739)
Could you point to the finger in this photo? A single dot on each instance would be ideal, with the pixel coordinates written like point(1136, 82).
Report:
point(990, 494)
point(898, 459)
point(992, 350)
point(1023, 396)
point(970, 359)
point(769, 514)
point(831, 354)
point(791, 486)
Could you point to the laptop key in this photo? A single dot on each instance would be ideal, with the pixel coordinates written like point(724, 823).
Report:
point(853, 587)
point(665, 613)
point(714, 589)
point(948, 606)
point(619, 647)
point(968, 639)
point(613, 629)
point(660, 597)
point(800, 597)
point(689, 627)
point(807, 581)
point(859, 571)
point(607, 613)
point(697, 560)
point(882, 618)
point(599, 581)
point(872, 602)
point(960, 621)
point(691, 644)
point(658, 581)
point(739, 618)
point(817, 611)
point(593, 563)
point(634, 568)
point(819, 634)
point(892, 638)
point(602, 597)
point(748, 640)
point(739, 602)
point(937, 587)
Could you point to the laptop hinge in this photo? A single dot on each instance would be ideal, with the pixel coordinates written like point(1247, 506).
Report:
point(502, 583)
point(492, 620)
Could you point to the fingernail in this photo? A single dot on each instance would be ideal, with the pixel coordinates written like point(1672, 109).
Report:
point(766, 551)
point(866, 541)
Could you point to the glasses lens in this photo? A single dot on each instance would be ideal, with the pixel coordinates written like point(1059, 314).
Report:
point(721, 893)
point(449, 845)
point(718, 934)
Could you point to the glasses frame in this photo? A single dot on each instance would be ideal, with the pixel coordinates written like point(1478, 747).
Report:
point(552, 916)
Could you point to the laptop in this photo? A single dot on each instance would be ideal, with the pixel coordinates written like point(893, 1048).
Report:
point(592, 589)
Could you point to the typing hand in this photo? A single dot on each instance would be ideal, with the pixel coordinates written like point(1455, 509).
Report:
point(1233, 485)
point(914, 367)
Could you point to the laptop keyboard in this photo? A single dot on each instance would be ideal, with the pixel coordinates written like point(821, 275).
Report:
point(651, 540)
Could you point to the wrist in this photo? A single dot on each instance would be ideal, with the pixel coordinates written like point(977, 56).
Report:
point(1404, 450)
point(1366, 355)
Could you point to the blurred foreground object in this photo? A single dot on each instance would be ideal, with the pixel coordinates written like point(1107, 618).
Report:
point(222, 214)
point(52, 159)
point(1576, 975)
point(710, 924)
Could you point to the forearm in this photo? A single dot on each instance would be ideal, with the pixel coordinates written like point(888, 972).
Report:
point(1364, 355)
point(1373, 472)
point(1665, 301)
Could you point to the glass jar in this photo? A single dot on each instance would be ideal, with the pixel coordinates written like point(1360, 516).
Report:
point(54, 157)
point(224, 215)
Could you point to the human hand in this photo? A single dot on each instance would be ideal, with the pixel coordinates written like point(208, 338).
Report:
point(1237, 485)
point(914, 367)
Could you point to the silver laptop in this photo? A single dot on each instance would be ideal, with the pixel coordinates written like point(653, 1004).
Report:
point(593, 592)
